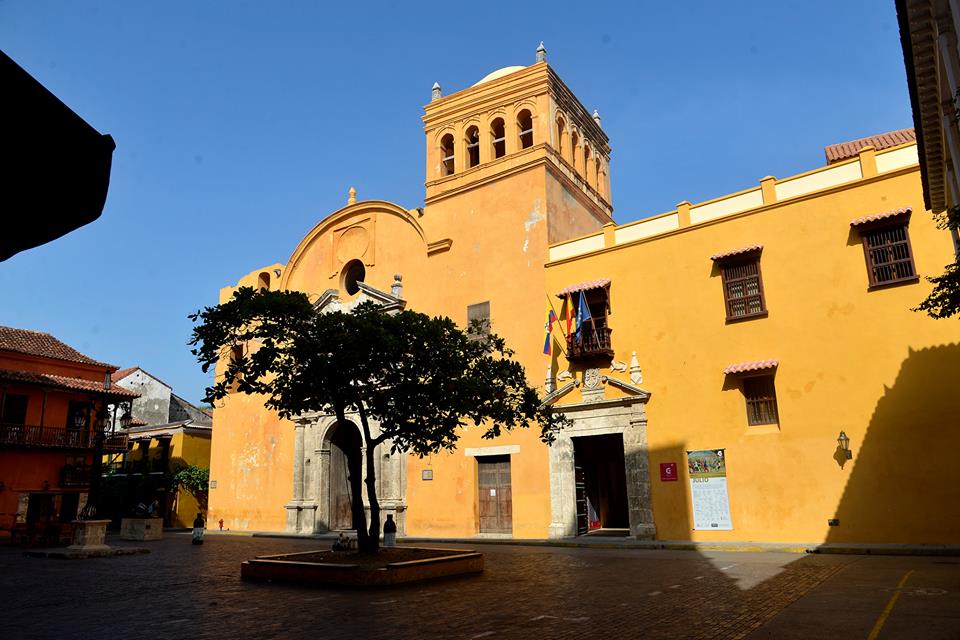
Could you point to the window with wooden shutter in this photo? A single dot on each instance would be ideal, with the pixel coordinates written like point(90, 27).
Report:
point(888, 255)
point(743, 288)
point(761, 399)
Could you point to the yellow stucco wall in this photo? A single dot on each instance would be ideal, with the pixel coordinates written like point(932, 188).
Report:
point(850, 359)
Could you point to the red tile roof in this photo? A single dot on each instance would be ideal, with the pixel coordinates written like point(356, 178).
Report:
point(123, 373)
point(844, 150)
point(746, 367)
point(585, 286)
point(893, 213)
point(35, 343)
point(736, 252)
point(63, 382)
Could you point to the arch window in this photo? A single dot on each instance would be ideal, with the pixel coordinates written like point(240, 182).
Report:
point(446, 155)
point(473, 147)
point(263, 281)
point(525, 124)
point(586, 161)
point(499, 138)
point(574, 143)
point(561, 126)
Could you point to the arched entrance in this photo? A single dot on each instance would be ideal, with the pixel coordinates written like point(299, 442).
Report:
point(345, 461)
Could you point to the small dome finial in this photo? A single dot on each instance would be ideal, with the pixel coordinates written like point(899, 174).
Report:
point(352, 196)
point(541, 53)
point(435, 93)
point(596, 117)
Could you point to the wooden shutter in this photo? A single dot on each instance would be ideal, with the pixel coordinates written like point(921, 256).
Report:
point(761, 399)
point(743, 289)
point(888, 255)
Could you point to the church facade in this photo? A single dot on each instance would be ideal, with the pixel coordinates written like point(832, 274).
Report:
point(746, 368)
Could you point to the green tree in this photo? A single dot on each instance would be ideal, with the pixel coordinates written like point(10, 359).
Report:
point(194, 480)
point(419, 378)
point(944, 300)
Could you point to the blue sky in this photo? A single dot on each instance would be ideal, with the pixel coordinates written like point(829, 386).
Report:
point(239, 125)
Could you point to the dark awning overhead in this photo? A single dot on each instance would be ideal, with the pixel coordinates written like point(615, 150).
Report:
point(55, 169)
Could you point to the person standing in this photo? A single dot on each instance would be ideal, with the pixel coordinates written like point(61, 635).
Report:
point(198, 525)
point(389, 532)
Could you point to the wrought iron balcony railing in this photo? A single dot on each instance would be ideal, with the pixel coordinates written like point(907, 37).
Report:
point(590, 344)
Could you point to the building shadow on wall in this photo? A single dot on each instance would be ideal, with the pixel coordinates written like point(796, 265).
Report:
point(903, 484)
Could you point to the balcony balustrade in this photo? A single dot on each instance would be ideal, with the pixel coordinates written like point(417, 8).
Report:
point(590, 344)
point(26, 435)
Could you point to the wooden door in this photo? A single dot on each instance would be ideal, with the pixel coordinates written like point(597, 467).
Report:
point(341, 514)
point(496, 494)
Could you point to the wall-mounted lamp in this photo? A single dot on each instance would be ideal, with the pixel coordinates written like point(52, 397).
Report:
point(844, 443)
point(46, 485)
point(2, 486)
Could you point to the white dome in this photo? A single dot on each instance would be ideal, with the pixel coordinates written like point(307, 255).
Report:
point(499, 73)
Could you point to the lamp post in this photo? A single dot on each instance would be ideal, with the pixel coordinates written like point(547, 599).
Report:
point(100, 424)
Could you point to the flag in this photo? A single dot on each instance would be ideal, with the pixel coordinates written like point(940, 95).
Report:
point(567, 312)
point(548, 327)
point(583, 314)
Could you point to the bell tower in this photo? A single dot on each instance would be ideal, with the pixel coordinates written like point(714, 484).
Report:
point(519, 122)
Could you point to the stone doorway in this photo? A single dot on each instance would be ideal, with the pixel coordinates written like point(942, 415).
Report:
point(601, 482)
point(345, 461)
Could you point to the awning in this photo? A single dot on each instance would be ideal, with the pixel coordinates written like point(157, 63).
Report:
point(876, 217)
point(737, 252)
point(585, 286)
point(748, 367)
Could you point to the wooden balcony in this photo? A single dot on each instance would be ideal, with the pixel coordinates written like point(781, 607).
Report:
point(590, 345)
point(25, 435)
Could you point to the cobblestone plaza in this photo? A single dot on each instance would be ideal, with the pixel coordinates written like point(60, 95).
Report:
point(180, 591)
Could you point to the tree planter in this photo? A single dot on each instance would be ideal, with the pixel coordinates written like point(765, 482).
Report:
point(309, 567)
point(141, 529)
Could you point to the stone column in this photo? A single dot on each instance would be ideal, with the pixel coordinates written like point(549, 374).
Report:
point(563, 498)
point(637, 463)
point(294, 507)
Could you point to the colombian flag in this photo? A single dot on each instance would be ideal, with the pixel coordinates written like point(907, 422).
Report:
point(548, 327)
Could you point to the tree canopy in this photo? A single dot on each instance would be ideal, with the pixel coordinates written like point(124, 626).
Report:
point(944, 300)
point(412, 380)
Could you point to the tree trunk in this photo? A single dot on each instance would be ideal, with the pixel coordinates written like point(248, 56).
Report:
point(371, 480)
point(356, 489)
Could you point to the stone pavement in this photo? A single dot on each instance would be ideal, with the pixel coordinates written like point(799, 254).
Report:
point(181, 591)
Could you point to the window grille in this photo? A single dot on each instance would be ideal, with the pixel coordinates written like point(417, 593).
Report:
point(743, 289)
point(761, 399)
point(888, 255)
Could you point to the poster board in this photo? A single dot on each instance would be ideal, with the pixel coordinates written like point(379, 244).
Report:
point(708, 490)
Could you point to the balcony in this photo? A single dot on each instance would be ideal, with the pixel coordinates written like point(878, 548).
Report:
point(590, 345)
point(25, 435)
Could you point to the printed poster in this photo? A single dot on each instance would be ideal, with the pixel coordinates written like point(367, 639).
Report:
point(708, 490)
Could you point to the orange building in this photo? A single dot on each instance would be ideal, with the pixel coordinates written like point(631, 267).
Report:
point(52, 398)
point(739, 349)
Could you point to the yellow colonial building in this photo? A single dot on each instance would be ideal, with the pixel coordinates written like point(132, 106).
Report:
point(746, 368)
